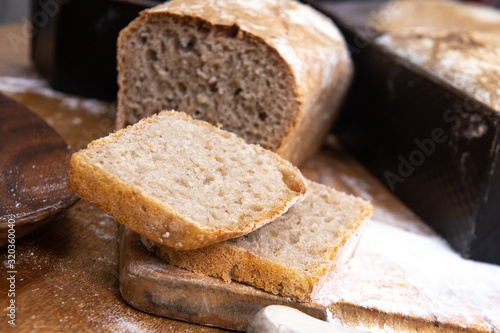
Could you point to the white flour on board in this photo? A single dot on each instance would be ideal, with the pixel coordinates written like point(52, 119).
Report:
point(419, 276)
point(39, 86)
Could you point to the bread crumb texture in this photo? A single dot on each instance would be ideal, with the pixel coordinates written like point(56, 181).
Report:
point(253, 66)
point(289, 256)
point(183, 182)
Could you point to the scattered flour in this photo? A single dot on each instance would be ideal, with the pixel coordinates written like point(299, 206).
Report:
point(23, 85)
point(420, 276)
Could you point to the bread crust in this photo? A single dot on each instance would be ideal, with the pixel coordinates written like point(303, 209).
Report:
point(466, 60)
point(437, 15)
point(314, 53)
point(129, 205)
point(455, 41)
point(231, 262)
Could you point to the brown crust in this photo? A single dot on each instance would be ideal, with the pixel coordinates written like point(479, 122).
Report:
point(475, 71)
point(307, 137)
point(230, 262)
point(153, 219)
point(438, 15)
point(316, 106)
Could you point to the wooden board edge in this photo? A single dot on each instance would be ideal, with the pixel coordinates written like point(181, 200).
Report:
point(153, 286)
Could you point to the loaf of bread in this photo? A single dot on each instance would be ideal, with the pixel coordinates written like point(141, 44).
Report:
point(457, 42)
point(467, 60)
point(272, 71)
point(290, 256)
point(438, 15)
point(183, 182)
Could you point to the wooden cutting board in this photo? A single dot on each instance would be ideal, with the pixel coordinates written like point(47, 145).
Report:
point(403, 276)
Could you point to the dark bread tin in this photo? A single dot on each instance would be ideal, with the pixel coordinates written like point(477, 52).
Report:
point(74, 42)
point(434, 146)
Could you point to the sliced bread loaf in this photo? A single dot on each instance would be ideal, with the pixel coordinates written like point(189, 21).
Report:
point(290, 256)
point(183, 182)
point(273, 72)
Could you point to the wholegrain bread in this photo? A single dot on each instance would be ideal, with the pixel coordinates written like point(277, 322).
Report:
point(273, 72)
point(455, 41)
point(290, 256)
point(183, 182)
point(467, 60)
point(437, 15)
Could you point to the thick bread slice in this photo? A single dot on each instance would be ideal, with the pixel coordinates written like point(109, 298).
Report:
point(290, 256)
point(272, 71)
point(183, 182)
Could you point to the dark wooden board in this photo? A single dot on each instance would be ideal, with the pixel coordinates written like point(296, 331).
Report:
point(151, 286)
point(34, 167)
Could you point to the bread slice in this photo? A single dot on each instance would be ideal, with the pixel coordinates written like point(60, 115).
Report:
point(290, 256)
point(183, 182)
point(273, 72)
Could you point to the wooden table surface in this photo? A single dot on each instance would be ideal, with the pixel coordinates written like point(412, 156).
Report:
point(67, 271)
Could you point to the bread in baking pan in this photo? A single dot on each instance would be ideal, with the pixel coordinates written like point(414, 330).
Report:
point(273, 72)
point(466, 60)
point(183, 182)
point(290, 256)
point(457, 42)
point(438, 15)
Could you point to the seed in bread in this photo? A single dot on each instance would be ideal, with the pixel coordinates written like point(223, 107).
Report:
point(184, 183)
point(290, 256)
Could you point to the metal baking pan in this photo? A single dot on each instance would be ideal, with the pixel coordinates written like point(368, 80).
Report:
point(74, 43)
point(434, 146)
